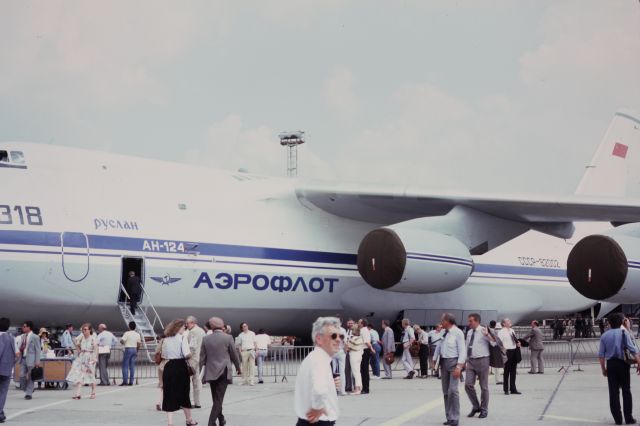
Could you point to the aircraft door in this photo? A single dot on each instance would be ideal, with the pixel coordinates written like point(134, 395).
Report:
point(75, 255)
point(135, 264)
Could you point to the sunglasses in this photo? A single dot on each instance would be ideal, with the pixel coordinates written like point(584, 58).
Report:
point(334, 336)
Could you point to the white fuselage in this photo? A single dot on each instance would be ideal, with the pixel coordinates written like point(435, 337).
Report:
point(238, 246)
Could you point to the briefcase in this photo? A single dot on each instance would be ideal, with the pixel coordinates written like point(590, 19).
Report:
point(37, 374)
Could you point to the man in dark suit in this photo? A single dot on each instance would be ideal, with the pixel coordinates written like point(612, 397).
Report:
point(29, 355)
point(134, 288)
point(216, 354)
point(7, 361)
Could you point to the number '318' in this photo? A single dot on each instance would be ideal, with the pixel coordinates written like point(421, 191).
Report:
point(23, 215)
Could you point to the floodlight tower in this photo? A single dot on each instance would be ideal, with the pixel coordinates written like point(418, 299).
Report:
point(291, 140)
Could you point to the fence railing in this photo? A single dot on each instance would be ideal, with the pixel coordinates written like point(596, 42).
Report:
point(283, 362)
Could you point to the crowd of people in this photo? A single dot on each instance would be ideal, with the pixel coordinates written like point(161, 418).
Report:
point(345, 360)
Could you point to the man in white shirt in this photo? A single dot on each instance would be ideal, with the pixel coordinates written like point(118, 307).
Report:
point(453, 354)
point(366, 355)
point(348, 374)
point(478, 352)
point(510, 343)
point(263, 341)
point(377, 351)
point(106, 342)
point(194, 338)
point(339, 360)
point(131, 341)
point(408, 337)
point(247, 344)
point(315, 398)
point(434, 336)
point(388, 347)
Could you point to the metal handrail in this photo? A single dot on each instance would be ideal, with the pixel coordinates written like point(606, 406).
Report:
point(155, 312)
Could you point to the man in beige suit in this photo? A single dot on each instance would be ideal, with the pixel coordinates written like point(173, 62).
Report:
point(196, 334)
point(217, 352)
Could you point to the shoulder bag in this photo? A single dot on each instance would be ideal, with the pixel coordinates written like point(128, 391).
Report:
point(629, 358)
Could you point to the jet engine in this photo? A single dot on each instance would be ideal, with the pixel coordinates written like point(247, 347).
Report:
point(413, 261)
point(606, 267)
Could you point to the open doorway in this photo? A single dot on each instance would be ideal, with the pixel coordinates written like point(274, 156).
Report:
point(130, 264)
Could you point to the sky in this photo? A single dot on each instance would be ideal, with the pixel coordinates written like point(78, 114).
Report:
point(491, 96)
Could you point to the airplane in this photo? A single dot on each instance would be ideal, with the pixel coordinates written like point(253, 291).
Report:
point(279, 252)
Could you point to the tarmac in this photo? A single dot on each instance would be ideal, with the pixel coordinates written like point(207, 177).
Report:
point(566, 397)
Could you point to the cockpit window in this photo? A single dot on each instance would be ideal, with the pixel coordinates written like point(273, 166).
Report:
point(4, 157)
point(17, 157)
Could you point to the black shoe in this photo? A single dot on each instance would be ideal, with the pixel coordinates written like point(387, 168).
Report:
point(531, 372)
point(260, 382)
point(453, 423)
point(540, 372)
point(2, 419)
point(516, 393)
point(409, 377)
point(631, 421)
point(123, 384)
point(27, 397)
point(618, 422)
point(499, 383)
point(506, 392)
point(364, 392)
point(473, 413)
point(130, 384)
point(196, 406)
point(483, 415)
point(447, 423)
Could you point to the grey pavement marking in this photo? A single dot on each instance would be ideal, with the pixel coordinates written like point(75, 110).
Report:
point(553, 395)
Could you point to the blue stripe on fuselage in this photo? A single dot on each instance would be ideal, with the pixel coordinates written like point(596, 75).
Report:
point(106, 242)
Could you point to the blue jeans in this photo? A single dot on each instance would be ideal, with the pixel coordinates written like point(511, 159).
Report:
point(375, 359)
point(129, 365)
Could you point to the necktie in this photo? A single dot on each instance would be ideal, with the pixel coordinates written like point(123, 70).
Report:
point(23, 345)
point(470, 347)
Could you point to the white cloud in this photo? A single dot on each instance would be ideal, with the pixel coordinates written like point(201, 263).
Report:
point(588, 55)
point(230, 145)
point(339, 94)
point(97, 54)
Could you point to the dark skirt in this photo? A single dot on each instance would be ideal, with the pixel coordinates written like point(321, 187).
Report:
point(176, 386)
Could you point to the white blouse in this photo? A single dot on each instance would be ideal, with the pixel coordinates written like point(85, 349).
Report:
point(175, 347)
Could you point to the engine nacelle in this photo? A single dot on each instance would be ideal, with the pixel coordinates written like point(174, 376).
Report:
point(413, 261)
point(606, 267)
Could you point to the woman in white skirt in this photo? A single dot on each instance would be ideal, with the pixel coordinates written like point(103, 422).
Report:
point(83, 369)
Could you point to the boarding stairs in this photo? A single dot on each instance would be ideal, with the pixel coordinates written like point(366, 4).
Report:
point(146, 319)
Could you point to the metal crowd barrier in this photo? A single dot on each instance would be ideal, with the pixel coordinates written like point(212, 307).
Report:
point(283, 362)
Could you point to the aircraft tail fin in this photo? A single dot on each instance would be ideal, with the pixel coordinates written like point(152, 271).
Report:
point(614, 170)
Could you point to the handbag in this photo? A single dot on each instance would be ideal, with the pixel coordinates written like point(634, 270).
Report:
point(37, 374)
point(518, 355)
point(414, 349)
point(157, 358)
point(190, 370)
point(389, 358)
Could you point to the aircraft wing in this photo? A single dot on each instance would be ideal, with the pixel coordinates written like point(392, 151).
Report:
point(392, 204)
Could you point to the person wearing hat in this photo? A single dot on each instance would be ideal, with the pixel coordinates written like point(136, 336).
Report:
point(45, 345)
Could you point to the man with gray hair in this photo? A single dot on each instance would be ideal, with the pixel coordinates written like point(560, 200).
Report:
point(106, 342)
point(196, 334)
point(315, 399)
point(216, 355)
point(453, 354)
